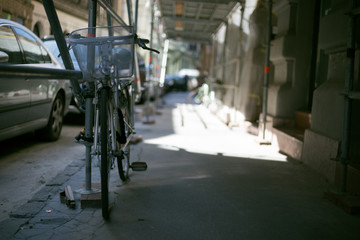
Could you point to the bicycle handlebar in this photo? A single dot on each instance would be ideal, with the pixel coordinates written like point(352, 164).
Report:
point(142, 43)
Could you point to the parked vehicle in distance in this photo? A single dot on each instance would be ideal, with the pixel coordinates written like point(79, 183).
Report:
point(29, 101)
point(144, 87)
point(190, 77)
point(174, 82)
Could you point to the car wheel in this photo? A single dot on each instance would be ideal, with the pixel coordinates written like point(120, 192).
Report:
point(53, 129)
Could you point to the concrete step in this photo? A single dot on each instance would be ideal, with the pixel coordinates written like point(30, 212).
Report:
point(348, 202)
point(302, 120)
point(289, 140)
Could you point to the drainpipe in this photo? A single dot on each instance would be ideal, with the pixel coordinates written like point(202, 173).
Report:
point(347, 100)
point(266, 70)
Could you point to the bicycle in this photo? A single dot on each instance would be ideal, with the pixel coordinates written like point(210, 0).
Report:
point(106, 57)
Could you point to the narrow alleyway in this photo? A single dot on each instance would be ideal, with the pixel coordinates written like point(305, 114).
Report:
point(204, 181)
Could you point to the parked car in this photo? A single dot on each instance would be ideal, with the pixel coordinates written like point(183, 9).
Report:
point(145, 86)
point(50, 43)
point(190, 76)
point(174, 82)
point(31, 98)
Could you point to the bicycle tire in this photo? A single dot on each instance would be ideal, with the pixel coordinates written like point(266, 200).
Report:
point(104, 167)
point(123, 161)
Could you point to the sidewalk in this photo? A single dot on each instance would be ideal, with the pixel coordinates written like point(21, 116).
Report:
point(204, 181)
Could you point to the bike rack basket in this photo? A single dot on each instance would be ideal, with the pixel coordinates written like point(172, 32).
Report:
point(104, 51)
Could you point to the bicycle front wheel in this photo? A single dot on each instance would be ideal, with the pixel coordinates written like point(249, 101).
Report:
point(127, 126)
point(105, 165)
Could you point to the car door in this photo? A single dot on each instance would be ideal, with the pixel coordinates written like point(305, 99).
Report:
point(42, 90)
point(14, 92)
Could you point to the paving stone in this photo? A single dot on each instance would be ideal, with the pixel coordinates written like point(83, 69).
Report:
point(71, 170)
point(10, 226)
point(71, 225)
point(45, 194)
point(66, 232)
point(29, 233)
point(28, 210)
point(59, 180)
point(51, 221)
point(84, 216)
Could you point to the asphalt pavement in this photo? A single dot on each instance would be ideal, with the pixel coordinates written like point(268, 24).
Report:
point(204, 181)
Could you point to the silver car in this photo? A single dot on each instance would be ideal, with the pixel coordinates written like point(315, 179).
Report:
point(31, 98)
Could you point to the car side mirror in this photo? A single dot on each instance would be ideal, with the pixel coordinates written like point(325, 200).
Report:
point(4, 57)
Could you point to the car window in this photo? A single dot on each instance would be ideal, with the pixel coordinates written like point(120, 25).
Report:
point(32, 49)
point(46, 56)
point(52, 46)
point(9, 45)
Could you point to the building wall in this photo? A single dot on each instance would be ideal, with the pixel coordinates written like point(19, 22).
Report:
point(69, 22)
point(20, 10)
point(295, 52)
point(251, 80)
point(72, 14)
point(291, 53)
point(328, 100)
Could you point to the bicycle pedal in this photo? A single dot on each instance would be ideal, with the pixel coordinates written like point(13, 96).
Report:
point(138, 166)
point(81, 135)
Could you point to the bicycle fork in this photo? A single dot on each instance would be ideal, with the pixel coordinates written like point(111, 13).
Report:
point(112, 120)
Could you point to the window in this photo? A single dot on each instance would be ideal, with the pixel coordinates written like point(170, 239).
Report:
point(31, 47)
point(325, 7)
point(6, 15)
point(9, 45)
point(37, 29)
point(20, 20)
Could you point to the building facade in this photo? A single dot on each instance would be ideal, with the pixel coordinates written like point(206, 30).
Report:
point(313, 92)
point(72, 14)
point(17, 10)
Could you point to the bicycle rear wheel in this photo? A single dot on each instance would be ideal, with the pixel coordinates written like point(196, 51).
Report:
point(127, 124)
point(105, 165)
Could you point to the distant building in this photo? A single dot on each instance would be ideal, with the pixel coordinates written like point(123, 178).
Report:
point(72, 14)
point(20, 11)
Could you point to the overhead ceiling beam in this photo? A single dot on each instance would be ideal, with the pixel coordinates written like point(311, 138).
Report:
point(192, 20)
point(190, 39)
point(198, 14)
point(189, 33)
point(199, 11)
point(211, 1)
point(201, 25)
